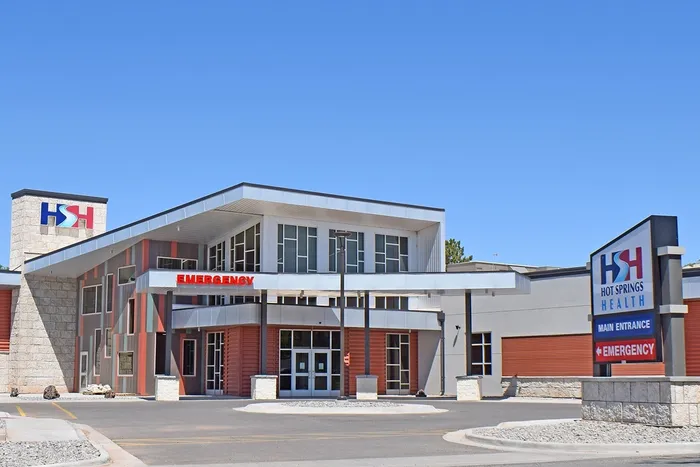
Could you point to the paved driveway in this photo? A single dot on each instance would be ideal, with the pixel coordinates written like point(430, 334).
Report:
point(211, 432)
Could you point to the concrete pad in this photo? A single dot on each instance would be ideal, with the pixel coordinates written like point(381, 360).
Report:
point(41, 429)
point(345, 409)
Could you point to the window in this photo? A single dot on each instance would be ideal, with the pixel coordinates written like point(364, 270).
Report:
point(98, 359)
point(126, 275)
point(350, 302)
point(240, 299)
point(108, 342)
point(354, 252)
point(296, 249)
point(110, 292)
point(131, 317)
point(189, 357)
point(481, 354)
point(397, 363)
point(92, 299)
point(165, 262)
point(245, 250)
point(126, 364)
point(297, 300)
point(299, 339)
point(391, 303)
point(391, 253)
point(217, 262)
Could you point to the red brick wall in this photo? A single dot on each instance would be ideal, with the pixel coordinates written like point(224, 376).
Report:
point(5, 319)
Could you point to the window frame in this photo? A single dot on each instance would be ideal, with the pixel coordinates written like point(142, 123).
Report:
point(97, 353)
point(182, 263)
point(478, 340)
point(333, 252)
point(131, 317)
point(194, 361)
point(119, 283)
point(234, 259)
point(383, 253)
point(109, 306)
point(119, 366)
point(108, 338)
point(281, 248)
point(98, 299)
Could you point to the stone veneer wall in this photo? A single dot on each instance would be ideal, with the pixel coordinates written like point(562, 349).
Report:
point(4, 371)
point(657, 401)
point(542, 386)
point(44, 329)
point(28, 238)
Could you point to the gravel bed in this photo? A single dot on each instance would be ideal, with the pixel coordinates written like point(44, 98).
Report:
point(335, 404)
point(592, 432)
point(47, 452)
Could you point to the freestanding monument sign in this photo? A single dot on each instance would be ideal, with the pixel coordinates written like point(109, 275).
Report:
point(637, 315)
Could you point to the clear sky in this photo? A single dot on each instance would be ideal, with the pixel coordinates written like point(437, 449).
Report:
point(543, 128)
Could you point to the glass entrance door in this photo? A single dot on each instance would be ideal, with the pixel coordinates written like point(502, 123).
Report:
point(301, 374)
point(321, 373)
point(215, 363)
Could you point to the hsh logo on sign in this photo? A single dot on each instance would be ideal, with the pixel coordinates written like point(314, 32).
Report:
point(621, 266)
point(66, 216)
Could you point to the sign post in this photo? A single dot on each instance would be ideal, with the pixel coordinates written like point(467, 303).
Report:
point(636, 298)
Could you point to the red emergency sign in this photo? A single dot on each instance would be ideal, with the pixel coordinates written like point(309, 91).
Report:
point(637, 350)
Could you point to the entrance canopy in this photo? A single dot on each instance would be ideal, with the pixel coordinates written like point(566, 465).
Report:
point(231, 283)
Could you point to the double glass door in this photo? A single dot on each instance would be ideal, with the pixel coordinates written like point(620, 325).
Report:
point(312, 373)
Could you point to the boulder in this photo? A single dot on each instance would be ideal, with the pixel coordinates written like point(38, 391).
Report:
point(97, 389)
point(14, 392)
point(51, 393)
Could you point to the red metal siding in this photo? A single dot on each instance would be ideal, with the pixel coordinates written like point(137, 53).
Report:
point(5, 319)
point(692, 338)
point(241, 360)
point(569, 355)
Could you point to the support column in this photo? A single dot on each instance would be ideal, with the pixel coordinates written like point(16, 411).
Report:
point(672, 309)
point(367, 332)
point(263, 333)
point(168, 332)
point(441, 320)
point(468, 332)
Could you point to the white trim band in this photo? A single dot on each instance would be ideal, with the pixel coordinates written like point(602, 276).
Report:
point(673, 309)
point(670, 251)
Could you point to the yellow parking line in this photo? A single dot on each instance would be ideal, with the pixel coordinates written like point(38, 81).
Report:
point(64, 410)
point(20, 411)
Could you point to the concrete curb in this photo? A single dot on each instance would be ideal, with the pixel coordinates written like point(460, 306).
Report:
point(110, 452)
point(279, 408)
point(468, 437)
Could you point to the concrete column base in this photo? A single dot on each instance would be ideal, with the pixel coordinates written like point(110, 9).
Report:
point(263, 387)
point(366, 387)
point(671, 401)
point(468, 388)
point(167, 388)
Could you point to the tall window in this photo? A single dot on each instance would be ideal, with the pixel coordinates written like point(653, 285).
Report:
point(189, 357)
point(354, 252)
point(245, 250)
point(97, 354)
point(217, 262)
point(92, 299)
point(391, 303)
point(481, 354)
point(397, 363)
point(164, 262)
point(296, 249)
point(110, 292)
point(391, 253)
point(108, 342)
point(131, 317)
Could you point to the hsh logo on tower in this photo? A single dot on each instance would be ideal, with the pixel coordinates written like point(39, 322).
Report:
point(66, 215)
point(621, 266)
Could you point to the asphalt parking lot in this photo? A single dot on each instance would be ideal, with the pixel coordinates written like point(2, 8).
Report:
point(211, 432)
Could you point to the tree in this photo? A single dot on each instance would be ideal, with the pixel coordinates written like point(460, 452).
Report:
point(454, 252)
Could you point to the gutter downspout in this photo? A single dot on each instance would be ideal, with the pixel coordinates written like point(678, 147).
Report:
point(441, 320)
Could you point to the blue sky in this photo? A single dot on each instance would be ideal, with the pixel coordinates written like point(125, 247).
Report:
point(544, 128)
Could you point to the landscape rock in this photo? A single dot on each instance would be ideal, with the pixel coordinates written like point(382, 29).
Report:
point(51, 393)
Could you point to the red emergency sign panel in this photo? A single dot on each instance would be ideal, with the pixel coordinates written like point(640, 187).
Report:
point(637, 350)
